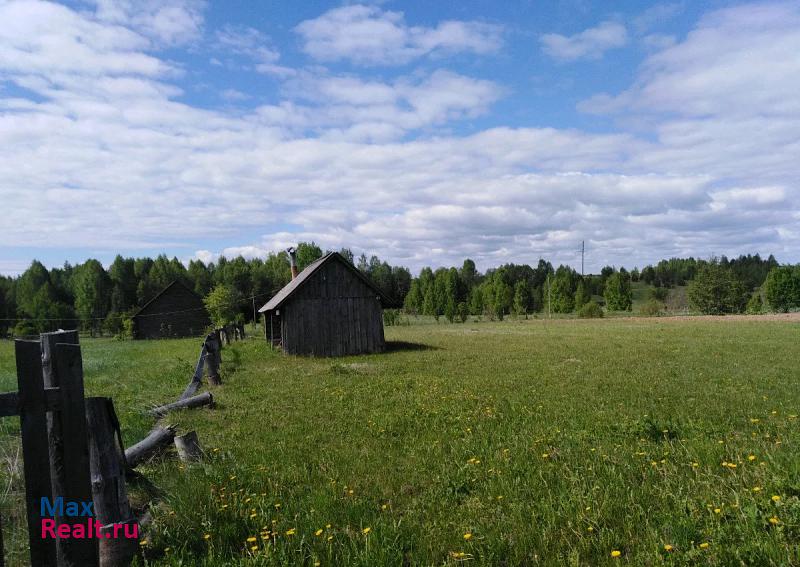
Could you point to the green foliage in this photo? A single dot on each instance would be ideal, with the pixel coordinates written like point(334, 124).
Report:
point(522, 299)
point(590, 310)
point(223, 304)
point(582, 295)
point(716, 290)
point(658, 293)
point(617, 292)
point(462, 311)
point(562, 290)
point(782, 288)
point(306, 253)
point(755, 305)
point(91, 287)
point(651, 308)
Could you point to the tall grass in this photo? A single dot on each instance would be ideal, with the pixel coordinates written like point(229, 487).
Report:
point(522, 442)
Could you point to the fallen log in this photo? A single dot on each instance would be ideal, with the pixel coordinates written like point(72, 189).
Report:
point(197, 377)
point(204, 399)
point(158, 438)
point(188, 447)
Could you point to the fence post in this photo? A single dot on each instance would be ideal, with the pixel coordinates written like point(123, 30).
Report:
point(109, 492)
point(69, 446)
point(213, 348)
point(35, 455)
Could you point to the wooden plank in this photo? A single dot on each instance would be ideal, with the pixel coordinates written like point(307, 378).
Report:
point(75, 446)
point(155, 441)
point(197, 377)
point(204, 399)
point(109, 491)
point(10, 402)
point(35, 453)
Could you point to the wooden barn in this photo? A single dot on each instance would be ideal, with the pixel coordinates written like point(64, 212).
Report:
point(329, 309)
point(176, 311)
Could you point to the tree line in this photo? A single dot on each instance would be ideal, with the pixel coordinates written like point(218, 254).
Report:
point(102, 300)
point(97, 299)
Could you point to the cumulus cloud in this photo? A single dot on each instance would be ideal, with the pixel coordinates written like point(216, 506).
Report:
point(99, 150)
point(255, 45)
point(371, 36)
point(591, 43)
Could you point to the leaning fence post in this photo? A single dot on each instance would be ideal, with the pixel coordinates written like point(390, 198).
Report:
point(35, 455)
point(109, 492)
point(69, 447)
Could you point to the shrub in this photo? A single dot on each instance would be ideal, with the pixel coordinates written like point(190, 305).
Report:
point(652, 308)
point(617, 292)
point(590, 310)
point(782, 288)
point(658, 293)
point(391, 317)
point(716, 290)
point(755, 306)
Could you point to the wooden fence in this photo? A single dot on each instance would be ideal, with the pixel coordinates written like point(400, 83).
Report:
point(72, 447)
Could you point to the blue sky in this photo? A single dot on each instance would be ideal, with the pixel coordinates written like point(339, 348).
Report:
point(424, 132)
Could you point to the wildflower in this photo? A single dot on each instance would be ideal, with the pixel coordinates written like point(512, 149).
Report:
point(167, 549)
point(290, 532)
point(751, 458)
point(754, 420)
point(254, 548)
point(277, 505)
point(143, 542)
point(616, 553)
point(327, 526)
point(318, 532)
point(776, 498)
point(717, 511)
point(384, 506)
point(704, 545)
point(207, 536)
point(467, 536)
point(590, 529)
point(365, 531)
point(233, 477)
point(330, 537)
point(253, 515)
point(695, 465)
point(668, 547)
point(774, 521)
point(457, 554)
point(756, 489)
point(545, 455)
point(251, 539)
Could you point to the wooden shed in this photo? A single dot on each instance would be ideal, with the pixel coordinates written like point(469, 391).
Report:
point(329, 309)
point(176, 311)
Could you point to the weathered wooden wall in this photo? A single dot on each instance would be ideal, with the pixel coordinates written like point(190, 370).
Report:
point(333, 314)
point(177, 312)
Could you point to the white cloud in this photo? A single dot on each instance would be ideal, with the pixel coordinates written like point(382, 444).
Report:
point(104, 154)
point(253, 44)
point(591, 43)
point(372, 36)
point(169, 22)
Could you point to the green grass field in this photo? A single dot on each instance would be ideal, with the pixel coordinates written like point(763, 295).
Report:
point(515, 443)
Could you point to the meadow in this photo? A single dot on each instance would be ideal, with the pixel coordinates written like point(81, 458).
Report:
point(563, 442)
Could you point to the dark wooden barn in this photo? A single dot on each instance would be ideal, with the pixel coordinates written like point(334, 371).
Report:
point(329, 309)
point(176, 311)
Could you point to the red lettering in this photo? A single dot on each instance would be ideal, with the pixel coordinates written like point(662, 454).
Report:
point(116, 530)
point(48, 527)
point(78, 531)
point(134, 529)
point(63, 531)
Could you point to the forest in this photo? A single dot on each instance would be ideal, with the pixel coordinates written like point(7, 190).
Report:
point(100, 299)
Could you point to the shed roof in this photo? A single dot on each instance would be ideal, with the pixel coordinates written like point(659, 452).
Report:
point(289, 289)
point(163, 291)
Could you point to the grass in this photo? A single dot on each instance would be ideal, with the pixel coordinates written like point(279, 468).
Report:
point(522, 442)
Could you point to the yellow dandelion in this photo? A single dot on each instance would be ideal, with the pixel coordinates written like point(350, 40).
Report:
point(254, 548)
point(776, 498)
point(704, 545)
point(384, 506)
point(277, 505)
point(233, 477)
point(754, 420)
point(751, 457)
point(253, 515)
point(695, 465)
point(327, 526)
point(467, 536)
point(290, 532)
point(616, 553)
point(590, 529)
point(318, 532)
point(545, 455)
point(756, 489)
point(365, 531)
point(330, 537)
point(251, 539)
point(143, 542)
point(717, 511)
point(167, 549)
point(207, 536)
point(668, 547)
point(316, 563)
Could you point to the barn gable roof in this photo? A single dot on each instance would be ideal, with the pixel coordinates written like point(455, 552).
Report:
point(289, 289)
point(162, 292)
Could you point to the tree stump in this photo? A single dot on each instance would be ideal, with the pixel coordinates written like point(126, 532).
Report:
point(188, 447)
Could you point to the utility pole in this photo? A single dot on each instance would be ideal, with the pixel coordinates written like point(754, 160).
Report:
point(582, 250)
